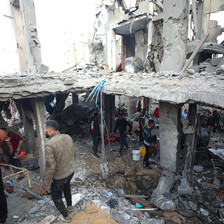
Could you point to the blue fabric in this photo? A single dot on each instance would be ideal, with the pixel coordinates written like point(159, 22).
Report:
point(146, 134)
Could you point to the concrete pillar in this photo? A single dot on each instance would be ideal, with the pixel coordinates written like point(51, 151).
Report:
point(32, 44)
point(18, 26)
point(175, 27)
point(39, 112)
point(29, 131)
point(75, 98)
point(109, 107)
point(169, 116)
point(147, 103)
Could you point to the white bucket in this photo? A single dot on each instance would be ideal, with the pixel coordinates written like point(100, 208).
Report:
point(136, 155)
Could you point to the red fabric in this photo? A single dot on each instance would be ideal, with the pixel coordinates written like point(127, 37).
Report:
point(3, 137)
point(156, 113)
point(15, 139)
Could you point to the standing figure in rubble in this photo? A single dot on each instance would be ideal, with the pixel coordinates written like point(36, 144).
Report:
point(216, 118)
point(156, 115)
point(150, 140)
point(3, 202)
point(121, 125)
point(142, 118)
point(139, 105)
point(210, 123)
point(60, 155)
point(95, 132)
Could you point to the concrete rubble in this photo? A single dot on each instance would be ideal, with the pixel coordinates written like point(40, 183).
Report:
point(140, 52)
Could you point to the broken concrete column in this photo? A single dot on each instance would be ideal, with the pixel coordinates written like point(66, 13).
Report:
point(147, 104)
point(175, 24)
point(32, 43)
point(169, 135)
point(29, 131)
point(169, 146)
point(109, 107)
point(39, 113)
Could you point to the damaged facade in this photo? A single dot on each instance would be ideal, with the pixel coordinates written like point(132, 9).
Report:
point(143, 51)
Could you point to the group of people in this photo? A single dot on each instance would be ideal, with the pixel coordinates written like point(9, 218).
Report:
point(121, 109)
point(209, 122)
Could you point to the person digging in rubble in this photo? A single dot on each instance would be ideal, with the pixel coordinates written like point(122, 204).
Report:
point(3, 202)
point(142, 118)
point(150, 140)
point(60, 155)
point(15, 140)
point(121, 125)
point(95, 132)
point(216, 118)
point(6, 149)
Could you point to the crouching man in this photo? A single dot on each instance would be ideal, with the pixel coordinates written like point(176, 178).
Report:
point(60, 155)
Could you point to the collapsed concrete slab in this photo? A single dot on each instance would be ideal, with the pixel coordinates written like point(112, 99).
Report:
point(176, 88)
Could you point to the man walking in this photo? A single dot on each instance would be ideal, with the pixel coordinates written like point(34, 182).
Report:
point(150, 139)
point(3, 202)
point(60, 155)
point(122, 124)
point(95, 132)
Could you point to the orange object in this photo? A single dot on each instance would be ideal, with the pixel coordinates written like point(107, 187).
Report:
point(142, 151)
point(20, 155)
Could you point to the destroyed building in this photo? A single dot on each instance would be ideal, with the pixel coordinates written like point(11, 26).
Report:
point(141, 52)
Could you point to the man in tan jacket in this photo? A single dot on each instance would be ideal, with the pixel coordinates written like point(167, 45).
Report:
point(60, 155)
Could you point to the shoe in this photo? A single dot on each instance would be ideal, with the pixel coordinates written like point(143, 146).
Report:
point(61, 218)
point(96, 156)
point(119, 155)
point(69, 210)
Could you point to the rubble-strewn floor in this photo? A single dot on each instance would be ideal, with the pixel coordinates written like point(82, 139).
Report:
point(101, 201)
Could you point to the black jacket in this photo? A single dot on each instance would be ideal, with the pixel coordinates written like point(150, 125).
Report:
point(216, 116)
point(95, 128)
point(121, 125)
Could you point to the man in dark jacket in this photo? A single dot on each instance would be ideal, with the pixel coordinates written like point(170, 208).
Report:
point(121, 125)
point(216, 118)
point(3, 202)
point(95, 132)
